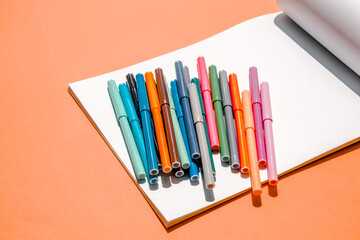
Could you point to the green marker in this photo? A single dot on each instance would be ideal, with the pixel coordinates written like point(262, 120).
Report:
point(184, 159)
point(197, 83)
point(216, 97)
point(123, 122)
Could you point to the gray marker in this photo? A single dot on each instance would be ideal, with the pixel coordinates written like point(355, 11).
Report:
point(200, 131)
point(186, 75)
point(229, 119)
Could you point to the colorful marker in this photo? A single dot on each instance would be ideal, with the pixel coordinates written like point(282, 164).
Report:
point(251, 143)
point(197, 83)
point(216, 97)
point(209, 110)
point(123, 122)
point(229, 118)
point(199, 124)
point(269, 140)
point(256, 105)
point(144, 108)
point(239, 122)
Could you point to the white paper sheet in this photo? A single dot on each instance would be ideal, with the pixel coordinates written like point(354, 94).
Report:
point(313, 111)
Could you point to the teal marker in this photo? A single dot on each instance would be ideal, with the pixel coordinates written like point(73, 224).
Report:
point(185, 163)
point(197, 83)
point(216, 98)
point(123, 122)
point(136, 129)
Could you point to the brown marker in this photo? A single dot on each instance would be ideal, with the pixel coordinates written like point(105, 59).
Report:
point(165, 109)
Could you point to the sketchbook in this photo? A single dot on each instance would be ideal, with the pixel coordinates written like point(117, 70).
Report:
point(315, 102)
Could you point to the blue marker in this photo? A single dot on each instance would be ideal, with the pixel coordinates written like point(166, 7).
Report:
point(185, 105)
point(136, 129)
point(144, 109)
point(193, 170)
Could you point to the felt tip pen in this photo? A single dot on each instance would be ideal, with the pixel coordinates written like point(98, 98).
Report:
point(269, 139)
point(216, 97)
point(251, 143)
point(185, 105)
point(239, 122)
point(199, 124)
point(145, 112)
point(256, 106)
point(136, 129)
point(185, 162)
point(158, 122)
point(193, 170)
point(165, 109)
point(123, 122)
point(229, 118)
point(208, 104)
point(197, 83)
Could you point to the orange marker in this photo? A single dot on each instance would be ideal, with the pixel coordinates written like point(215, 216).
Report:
point(251, 142)
point(239, 122)
point(158, 122)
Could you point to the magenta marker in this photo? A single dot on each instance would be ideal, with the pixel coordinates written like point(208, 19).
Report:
point(269, 140)
point(256, 105)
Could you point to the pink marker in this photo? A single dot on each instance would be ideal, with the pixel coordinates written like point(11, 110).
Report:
point(270, 150)
point(256, 105)
point(209, 110)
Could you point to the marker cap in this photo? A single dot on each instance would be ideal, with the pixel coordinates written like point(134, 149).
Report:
point(197, 83)
point(254, 85)
point(143, 96)
point(151, 87)
point(248, 114)
point(266, 104)
point(182, 88)
point(195, 105)
point(128, 104)
point(116, 100)
point(186, 75)
point(171, 100)
point(236, 101)
point(203, 75)
point(214, 81)
point(174, 92)
point(224, 89)
point(131, 83)
point(163, 97)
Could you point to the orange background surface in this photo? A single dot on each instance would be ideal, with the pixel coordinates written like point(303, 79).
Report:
point(58, 178)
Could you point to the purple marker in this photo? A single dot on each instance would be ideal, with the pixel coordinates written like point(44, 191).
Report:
point(256, 105)
point(270, 150)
